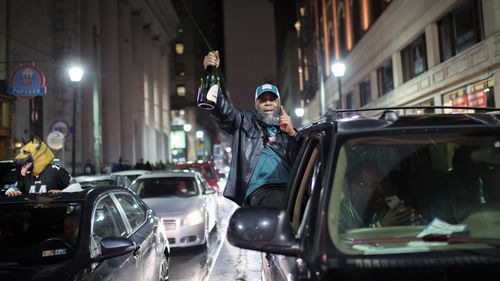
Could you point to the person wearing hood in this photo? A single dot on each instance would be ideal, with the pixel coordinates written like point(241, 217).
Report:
point(264, 145)
point(39, 174)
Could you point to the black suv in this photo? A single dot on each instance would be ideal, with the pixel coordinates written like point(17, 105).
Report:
point(380, 195)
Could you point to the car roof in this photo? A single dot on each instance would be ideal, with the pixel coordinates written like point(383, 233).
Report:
point(377, 119)
point(95, 177)
point(86, 194)
point(196, 164)
point(168, 174)
point(130, 172)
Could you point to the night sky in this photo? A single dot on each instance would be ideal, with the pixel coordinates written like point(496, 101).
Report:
point(250, 48)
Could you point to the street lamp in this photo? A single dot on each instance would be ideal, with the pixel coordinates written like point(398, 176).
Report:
point(299, 112)
point(75, 75)
point(187, 127)
point(338, 69)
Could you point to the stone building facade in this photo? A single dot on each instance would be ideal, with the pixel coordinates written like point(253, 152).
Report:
point(123, 47)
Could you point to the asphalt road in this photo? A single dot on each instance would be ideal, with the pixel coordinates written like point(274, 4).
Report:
point(221, 261)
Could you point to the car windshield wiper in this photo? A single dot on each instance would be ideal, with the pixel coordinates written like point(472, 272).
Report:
point(454, 238)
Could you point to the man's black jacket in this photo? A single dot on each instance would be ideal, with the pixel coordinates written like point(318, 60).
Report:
point(247, 132)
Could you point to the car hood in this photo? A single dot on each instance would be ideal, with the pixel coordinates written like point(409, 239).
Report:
point(174, 205)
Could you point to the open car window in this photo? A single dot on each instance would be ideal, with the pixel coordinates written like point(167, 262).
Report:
point(391, 194)
point(39, 232)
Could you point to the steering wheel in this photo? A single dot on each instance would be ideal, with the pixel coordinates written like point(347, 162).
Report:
point(65, 242)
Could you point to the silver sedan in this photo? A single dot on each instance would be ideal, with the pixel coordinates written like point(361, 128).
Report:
point(185, 203)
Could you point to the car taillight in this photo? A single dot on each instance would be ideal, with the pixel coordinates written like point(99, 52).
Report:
point(213, 183)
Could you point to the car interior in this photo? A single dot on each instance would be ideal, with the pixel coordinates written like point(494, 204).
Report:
point(448, 177)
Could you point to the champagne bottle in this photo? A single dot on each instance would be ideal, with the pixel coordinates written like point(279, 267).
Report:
point(209, 88)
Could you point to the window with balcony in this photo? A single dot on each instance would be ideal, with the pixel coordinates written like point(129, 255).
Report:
point(460, 29)
point(414, 58)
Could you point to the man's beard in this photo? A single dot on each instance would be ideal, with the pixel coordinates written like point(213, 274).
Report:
point(270, 119)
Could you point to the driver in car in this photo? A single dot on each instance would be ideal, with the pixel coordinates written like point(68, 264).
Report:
point(364, 204)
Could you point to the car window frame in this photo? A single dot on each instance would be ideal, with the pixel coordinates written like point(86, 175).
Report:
point(123, 214)
point(311, 148)
point(93, 242)
point(202, 183)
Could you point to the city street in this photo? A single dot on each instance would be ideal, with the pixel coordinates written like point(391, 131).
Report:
point(221, 261)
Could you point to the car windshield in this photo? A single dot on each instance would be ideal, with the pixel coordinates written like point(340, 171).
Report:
point(165, 187)
point(38, 232)
point(206, 171)
point(396, 194)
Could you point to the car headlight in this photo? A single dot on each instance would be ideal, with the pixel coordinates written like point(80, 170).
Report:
point(193, 218)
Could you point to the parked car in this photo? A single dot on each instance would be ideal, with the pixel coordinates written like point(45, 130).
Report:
point(103, 233)
point(185, 203)
point(327, 228)
point(103, 180)
point(208, 171)
point(131, 174)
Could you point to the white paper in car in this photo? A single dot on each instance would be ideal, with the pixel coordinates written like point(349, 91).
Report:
point(438, 226)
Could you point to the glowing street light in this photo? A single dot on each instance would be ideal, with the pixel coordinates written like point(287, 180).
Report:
point(338, 69)
point(187, 127)
point(75, 75)
point(299, 112)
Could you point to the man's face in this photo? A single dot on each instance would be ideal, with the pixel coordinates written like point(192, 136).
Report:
point(368, 188)
point(268, 105)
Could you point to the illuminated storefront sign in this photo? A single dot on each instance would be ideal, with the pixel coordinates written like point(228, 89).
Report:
point(27, 81)
point(479, 94)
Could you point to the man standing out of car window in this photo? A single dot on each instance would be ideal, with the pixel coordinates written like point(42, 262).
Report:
point(364, 203)
point(263, 146)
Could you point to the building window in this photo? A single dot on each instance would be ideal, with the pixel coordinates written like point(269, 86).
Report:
point(378, 7)
point(178, 117)
point(414, 58)
point(385, 79)
point(179, 69)
point(460, 29)
point(349, 101)
point(179, 48)
point(181, 90)
point(365, 93)
point(423, 110)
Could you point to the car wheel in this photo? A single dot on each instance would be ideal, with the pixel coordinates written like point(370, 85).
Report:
point(164, 268)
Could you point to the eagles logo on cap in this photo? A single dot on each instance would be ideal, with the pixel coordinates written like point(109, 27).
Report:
point(266, 88)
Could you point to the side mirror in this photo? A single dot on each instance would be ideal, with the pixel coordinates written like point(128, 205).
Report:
point(115, 246)
point(221, 175)
point(262, 229)
point(209, 191)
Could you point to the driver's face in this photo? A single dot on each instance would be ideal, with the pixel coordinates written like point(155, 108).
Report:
point(369, 188)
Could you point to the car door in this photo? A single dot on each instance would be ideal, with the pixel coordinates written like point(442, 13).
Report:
point(211, 200)
point(108, 222)
point(301, 186)
point(143, 232)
